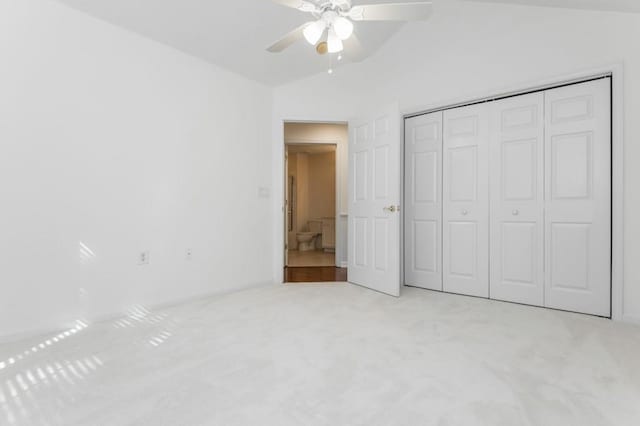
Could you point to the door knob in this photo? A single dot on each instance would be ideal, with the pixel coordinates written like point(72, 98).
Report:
point(515, 212)
point(464, 212)
point(391, 209)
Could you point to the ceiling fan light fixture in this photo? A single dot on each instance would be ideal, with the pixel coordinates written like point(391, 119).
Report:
point(313, 32)
point(333, 21)
point(322, 48)
point(333, 42)
point(343, 27)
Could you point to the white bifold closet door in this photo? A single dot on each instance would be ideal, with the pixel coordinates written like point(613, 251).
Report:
point(517, 199)
point(423, 201)
point(524, 212)
point(466, 200)
point(578, 198)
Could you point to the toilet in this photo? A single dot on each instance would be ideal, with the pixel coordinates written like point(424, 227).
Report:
point(307, 240)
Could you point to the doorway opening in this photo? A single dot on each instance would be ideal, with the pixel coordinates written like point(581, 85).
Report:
point(313, 180)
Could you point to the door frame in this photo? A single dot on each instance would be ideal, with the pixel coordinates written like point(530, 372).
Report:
point(280, 236)
point(616, 72)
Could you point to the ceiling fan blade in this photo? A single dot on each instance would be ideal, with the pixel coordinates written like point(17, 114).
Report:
point(302, 5)
point(288, 39)
point(416, 11)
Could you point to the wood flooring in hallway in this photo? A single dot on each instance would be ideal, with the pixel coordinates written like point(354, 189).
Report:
point(315, 274)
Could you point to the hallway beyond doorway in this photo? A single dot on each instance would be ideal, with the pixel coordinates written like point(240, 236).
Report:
point(311, 258)
point(321, 274)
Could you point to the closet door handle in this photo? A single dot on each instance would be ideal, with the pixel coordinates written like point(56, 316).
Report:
point(515, 212)
point(464, 212)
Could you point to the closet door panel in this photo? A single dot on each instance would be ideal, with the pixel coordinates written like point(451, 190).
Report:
point(466, 200)
point(423, 201)
point(517, 199)
point(578, 198)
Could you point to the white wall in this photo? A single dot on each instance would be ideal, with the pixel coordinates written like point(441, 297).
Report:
point(124, 145)
point(467, 50)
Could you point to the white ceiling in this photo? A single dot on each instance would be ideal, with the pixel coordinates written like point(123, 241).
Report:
point(234, 33)
point(606, 5)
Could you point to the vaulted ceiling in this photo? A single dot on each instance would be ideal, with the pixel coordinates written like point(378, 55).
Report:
point(605, 5)
point(234, 33)
point(231, 33)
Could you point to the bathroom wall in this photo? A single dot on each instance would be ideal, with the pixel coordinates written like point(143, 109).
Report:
point(315, 189)
point(322, 185)
point(302, 193)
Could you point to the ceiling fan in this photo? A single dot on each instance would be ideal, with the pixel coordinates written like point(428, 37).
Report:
point(335, 19)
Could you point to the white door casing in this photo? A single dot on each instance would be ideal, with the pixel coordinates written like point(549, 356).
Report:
point(466, 200)
point(423, 201)
point(374, 198)
point(517, 199)
point(578, 198)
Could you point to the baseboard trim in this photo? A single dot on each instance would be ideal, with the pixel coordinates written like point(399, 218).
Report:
point(632, 319)
point(38, 333)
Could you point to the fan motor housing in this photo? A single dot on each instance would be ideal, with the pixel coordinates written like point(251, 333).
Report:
point(336, 6)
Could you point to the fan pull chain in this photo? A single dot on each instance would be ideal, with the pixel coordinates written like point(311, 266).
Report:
point(338, 59)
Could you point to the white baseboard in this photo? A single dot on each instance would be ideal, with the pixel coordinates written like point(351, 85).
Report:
point(30, 334)
point(632, 319)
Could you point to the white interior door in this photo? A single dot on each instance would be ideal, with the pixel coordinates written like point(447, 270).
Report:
point(466, 201)
point(374, 201)
point(578, 198)
point(423, 201)
point(517, 199)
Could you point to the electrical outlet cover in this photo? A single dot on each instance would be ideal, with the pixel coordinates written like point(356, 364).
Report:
point(143, 258)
